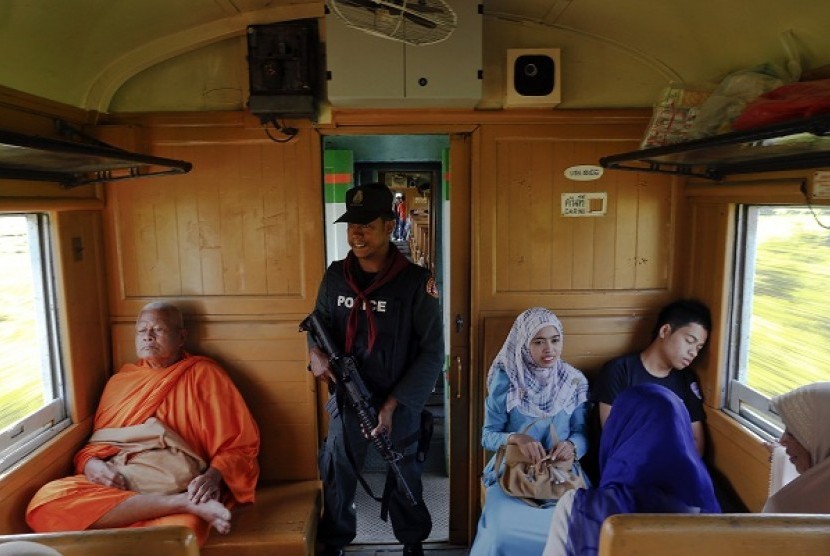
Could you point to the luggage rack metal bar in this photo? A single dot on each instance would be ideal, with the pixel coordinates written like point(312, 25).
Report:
point(792, 145)
point(35, 158)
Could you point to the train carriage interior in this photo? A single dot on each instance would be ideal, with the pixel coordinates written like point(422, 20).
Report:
point(600, 159)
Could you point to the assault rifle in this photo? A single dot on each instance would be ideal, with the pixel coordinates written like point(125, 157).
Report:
point(349, 382)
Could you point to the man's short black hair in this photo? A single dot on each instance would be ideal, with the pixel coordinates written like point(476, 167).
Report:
point(682, 312)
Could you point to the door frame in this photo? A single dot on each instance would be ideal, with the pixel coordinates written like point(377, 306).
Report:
point(464, 491)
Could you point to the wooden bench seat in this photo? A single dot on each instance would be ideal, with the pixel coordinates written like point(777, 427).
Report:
point(282, 521)
point(268, 365)
point(715, 535)
point(143, 541)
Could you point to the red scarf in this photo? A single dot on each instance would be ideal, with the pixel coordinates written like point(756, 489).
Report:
point(397, 262)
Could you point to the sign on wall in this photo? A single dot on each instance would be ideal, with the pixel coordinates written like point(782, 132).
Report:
point(584, 172)
point(584, 204)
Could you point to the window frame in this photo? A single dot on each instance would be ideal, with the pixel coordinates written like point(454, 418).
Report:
point(32, 431)
point(742, 402)
point(748, 406)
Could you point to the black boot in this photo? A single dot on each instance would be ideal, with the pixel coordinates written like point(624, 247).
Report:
point(331, 551)
point(413, 549)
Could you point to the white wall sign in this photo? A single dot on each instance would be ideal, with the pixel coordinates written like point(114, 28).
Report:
point(584, 172)
point(584, 204)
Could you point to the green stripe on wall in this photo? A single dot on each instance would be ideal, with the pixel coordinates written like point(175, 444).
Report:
point(338, 166)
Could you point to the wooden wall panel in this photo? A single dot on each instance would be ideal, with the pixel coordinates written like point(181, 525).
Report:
point(217, 232)
point(84, 328)
point(740, 457)
point(527, 248)
point(237, 244)
point(241, 233)
point(709, 265)
point(654, 232)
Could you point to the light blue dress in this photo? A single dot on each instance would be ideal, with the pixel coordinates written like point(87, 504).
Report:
point(508, 526)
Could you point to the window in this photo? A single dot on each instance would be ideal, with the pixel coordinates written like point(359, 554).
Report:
point(780, 310)
point(32, 408)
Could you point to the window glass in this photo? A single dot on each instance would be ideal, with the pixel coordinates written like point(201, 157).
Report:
point(31, 398)
point(790, 327)
point(780, 307)
point(19, 354)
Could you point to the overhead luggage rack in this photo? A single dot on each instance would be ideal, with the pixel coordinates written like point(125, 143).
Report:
point(792, 145)
point(28, 157)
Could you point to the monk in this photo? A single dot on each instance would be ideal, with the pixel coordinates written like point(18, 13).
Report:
point(193, 397)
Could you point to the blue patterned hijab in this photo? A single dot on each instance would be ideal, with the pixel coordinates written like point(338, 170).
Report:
point(537, 391)
point(648, 464)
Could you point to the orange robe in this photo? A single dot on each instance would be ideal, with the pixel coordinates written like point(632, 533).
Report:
point(196, 399)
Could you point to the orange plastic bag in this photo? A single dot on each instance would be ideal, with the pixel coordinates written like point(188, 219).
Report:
point(788, 102)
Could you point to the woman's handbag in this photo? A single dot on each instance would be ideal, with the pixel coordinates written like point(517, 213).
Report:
point(152, 458)
point(539, 483)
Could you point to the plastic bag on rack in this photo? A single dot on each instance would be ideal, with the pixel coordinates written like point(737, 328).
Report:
point(738, 89)
point(730, 98)
point(674, 114)
point(788, 102)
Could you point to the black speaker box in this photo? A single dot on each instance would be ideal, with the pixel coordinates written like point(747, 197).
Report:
point(533, 78)
point(284, 68)
point(533, 75)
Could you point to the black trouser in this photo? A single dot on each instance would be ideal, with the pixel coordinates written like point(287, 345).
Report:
point(411, 524)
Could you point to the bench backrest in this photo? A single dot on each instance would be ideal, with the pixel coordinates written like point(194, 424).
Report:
point(590, 340)
point(725, 534)
point(140, 541)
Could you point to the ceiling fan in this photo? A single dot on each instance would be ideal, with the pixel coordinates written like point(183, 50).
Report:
point(415, 22)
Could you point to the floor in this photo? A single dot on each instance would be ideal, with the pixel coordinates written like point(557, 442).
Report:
point(370, 528)
point(403, 247)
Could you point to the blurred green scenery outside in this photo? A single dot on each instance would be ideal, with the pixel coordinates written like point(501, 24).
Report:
point(21, 383)
point(790, 325)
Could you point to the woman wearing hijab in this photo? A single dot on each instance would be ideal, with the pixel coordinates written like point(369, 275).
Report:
point(805, 412)
point(529, 384)
point(648, 464)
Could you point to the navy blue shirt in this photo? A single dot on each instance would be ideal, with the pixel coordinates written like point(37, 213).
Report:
point(408, 354)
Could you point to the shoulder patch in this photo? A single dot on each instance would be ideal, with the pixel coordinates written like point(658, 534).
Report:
point(432, 287)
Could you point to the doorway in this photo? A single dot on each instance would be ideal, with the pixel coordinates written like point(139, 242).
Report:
point(415, 167)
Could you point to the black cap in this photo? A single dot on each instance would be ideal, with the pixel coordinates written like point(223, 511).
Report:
point(366, 203)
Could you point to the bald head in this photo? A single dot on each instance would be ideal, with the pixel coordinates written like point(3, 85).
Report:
point(160, 334)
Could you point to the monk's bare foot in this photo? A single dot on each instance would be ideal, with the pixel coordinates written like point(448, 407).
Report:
point(222, 526)
point(214, 513)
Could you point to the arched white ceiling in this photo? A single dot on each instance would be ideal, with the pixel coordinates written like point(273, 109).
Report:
point(120, 69)
point(85, 53)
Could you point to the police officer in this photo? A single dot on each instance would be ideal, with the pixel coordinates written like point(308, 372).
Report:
point(383, 310)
